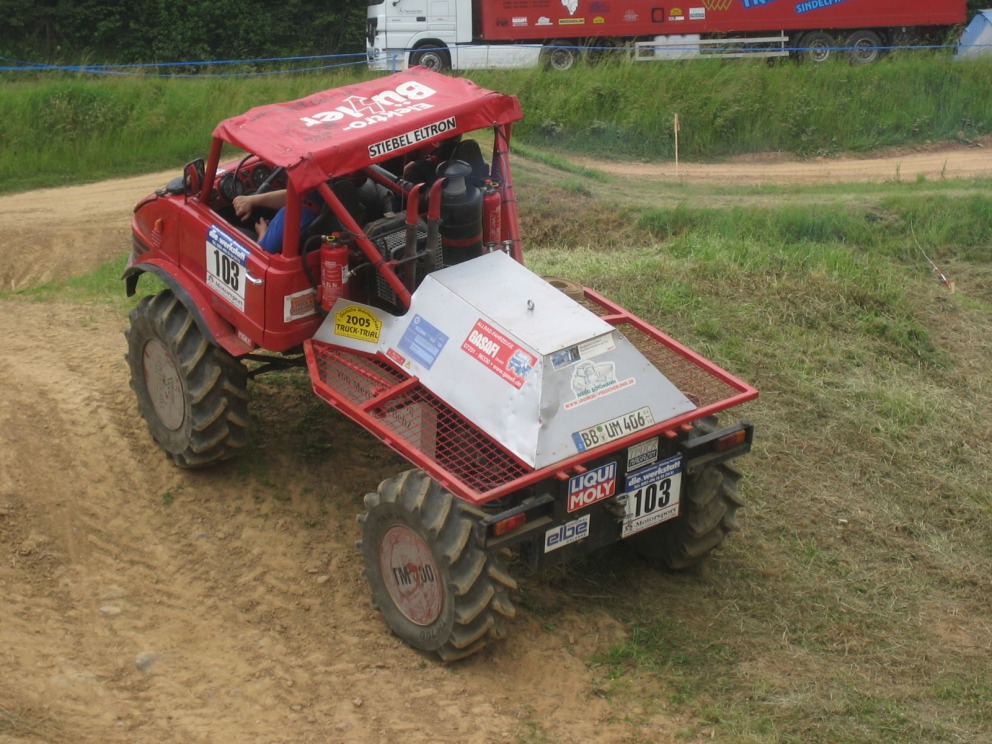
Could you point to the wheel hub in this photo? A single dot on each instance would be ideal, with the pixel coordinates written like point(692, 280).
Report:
point(164, 383)
point(411, 575)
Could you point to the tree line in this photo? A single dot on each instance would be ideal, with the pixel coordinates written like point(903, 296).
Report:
point(129, 32)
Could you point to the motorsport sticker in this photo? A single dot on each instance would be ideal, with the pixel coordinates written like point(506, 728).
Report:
point(422, 341)
point(642, 453)
point(565, 534)
point(652, 496)
point(411, 138)
point(499, 353)
point(591, 381)
point(615, 428)
point(227, 264)
point(299, 305)
point(697, 14)
point(592, 486)
point(357, 322)
point(586, 350)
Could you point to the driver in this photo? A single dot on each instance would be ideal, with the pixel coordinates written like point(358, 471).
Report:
point(270, 232)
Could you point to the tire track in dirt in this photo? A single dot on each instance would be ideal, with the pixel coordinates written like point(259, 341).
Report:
point(147, 603)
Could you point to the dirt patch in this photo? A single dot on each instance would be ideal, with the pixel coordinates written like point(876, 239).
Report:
point(145, 603)
point(933, 162)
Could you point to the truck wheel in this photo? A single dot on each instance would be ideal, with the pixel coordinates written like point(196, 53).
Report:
point(193, 394)
point(818, 46)
point(560, 57)
point(432, 57)
point(864, 47)
point(710, 500)
point(435, 585)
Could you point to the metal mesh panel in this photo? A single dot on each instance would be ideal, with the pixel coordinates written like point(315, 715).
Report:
point(696, 383)
point(413, 415)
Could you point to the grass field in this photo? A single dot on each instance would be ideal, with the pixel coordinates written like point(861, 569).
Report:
point(853, 607)
point(58, 129)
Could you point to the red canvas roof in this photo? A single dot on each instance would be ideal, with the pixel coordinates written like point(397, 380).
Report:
point(341, 130)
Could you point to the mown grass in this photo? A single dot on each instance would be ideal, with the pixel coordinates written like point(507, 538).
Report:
point(853, 606)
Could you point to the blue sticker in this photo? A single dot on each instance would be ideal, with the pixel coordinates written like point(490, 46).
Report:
point(227, 244)
point(422, 341)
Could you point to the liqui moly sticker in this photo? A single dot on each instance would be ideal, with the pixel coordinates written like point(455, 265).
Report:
point(499, 353)
point(592, 486)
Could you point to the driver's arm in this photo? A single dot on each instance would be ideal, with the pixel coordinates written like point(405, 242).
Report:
point(243, 205)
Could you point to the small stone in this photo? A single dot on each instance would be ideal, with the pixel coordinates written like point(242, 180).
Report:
point(145, 660)
point(110, 611)
point(27, 547)
point(357, 702)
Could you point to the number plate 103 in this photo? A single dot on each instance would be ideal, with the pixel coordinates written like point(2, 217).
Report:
point(652, 495)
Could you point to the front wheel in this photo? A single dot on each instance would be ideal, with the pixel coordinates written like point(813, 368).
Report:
point(436, 586)
point(432, 57)
point(192, 394)
point(710, 500)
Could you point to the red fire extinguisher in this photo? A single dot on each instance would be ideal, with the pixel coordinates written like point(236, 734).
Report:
point(492, 208)
point(333, 271)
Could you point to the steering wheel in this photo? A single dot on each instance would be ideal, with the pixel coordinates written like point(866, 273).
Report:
point(267, 183)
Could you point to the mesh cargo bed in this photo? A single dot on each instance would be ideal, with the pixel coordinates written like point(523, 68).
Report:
point(398, 409)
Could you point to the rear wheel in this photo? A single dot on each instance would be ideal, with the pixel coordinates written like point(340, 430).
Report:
point(710, 500)
point(865, 47)
point(435, 585)
point(558, 56)
point(193, 395)
point(818, 46)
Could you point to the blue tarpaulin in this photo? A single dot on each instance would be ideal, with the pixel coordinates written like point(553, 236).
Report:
point(976, 41)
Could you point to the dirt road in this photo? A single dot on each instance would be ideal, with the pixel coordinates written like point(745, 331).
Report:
point(142, 603)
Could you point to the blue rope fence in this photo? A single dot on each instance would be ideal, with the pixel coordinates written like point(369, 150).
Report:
point(283, 65)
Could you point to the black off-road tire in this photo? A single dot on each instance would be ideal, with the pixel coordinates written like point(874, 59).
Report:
point(708, 513)
point(436, 586)
point(192, 394)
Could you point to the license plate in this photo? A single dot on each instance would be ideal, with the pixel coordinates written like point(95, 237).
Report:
point(652, 495)
point(614, 429)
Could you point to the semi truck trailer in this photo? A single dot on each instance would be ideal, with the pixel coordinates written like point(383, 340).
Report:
point(480, 34)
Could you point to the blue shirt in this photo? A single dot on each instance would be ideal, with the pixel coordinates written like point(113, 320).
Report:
point(311, 205)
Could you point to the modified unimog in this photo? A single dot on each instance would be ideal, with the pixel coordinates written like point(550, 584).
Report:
point(542, 420)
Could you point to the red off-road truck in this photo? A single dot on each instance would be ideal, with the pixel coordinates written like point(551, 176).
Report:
point(541, 420)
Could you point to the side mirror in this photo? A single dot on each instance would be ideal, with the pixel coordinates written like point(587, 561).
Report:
point(193, 177)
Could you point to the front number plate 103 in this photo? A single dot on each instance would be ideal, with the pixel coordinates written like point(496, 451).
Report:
point(652, 495)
